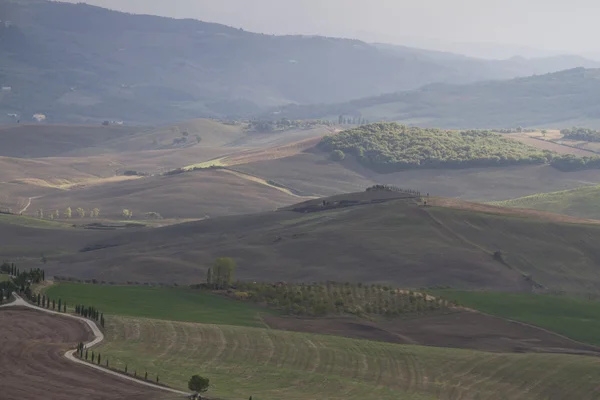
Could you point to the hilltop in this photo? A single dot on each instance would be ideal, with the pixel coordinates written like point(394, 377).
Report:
point(76, 63)
point(391, 239)
point(560, 99)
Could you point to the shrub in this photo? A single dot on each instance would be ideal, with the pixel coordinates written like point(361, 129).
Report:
point(337, 155)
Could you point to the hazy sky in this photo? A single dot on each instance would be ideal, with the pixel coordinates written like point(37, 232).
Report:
point(568, 26)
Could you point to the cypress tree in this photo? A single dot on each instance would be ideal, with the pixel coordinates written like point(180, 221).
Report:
point(99, 358)
point(65, 307)
point(107, 363)
point(125, 368)
point(93, 356)
point(54, 304)
point(157, 379)
point(146, 376)
point(39, 299)
point(59, 304)
point(86, 354)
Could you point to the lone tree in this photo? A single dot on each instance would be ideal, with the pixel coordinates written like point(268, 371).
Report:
point(80, 212)
point(222, 273)
point(198, 384)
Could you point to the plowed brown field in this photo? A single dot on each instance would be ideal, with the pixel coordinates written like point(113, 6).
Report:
point(32, 365)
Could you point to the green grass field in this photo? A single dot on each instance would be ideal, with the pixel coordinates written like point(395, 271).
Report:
point(177, 304)
point(576, 318)
point(4, 278)
point(271, 364)
point(31, 222)
point(582, 202)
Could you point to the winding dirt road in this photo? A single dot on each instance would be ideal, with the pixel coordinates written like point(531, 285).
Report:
point(33, 363)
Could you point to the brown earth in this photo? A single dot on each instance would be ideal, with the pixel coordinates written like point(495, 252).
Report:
point(515, 212)
point(32, 365)
point(462, 329)
point(192, 194)
point(312, 173)
point(537, 140)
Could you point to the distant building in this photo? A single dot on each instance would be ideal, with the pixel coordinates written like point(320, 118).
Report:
point(39, 117)
point(6, 89)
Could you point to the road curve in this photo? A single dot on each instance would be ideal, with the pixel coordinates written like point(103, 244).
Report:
point(98, 338)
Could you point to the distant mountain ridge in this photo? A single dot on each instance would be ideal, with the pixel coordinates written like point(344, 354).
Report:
point(76, 63)
point(560, 99)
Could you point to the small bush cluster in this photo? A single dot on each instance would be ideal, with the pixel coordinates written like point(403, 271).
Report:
point(575, 133)
point(320, 299)
point(389, 188)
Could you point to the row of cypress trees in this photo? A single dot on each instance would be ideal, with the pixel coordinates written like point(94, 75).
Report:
point(45, 302)
point(91, 313)
point(84, 354)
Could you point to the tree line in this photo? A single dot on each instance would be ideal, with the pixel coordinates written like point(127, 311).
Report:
point(91, 313)
point(44, 301)
point(284, 124)
point(352, 120)
point(391, 188)
point(68, 213)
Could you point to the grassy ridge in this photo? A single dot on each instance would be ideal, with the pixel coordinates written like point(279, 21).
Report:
point(582, 202)
point(576, 318)
point(177, 304)
point(270, 364)
point(31, 222)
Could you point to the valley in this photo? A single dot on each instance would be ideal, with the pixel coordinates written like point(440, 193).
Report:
point(288, 215)
point(193, 209)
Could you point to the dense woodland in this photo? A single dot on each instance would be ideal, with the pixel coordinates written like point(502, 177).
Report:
point(388, 147)
point(588, 135)
point(320, 299)
point(570, 162)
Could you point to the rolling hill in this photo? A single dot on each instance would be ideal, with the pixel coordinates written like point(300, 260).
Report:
point(560, 99)
point(582, 202)
point(190, 195)
point(75, 62)
point(462, 245)
point(50, 167)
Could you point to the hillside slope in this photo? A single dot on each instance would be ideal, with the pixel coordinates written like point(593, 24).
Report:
point(582, 202)
point(560, 99)
point(190, 195)
point(75, 62)
point(398, 242)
